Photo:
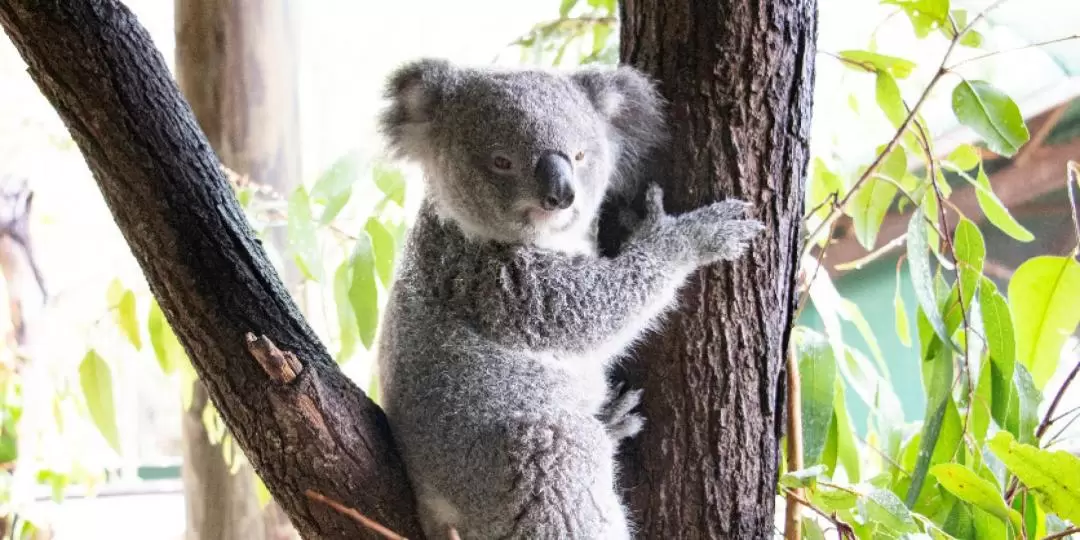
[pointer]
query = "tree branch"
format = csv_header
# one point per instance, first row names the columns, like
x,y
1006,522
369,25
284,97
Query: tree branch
x,y
162,182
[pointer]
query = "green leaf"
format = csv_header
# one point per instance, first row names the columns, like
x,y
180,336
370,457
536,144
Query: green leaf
x,y
991,114
382,243
1025,409
1053,477
363,293
847,451
885,508
337,179
817,374
993,208
262,494
334,206
925,15
128,319
980,408
301,235
824,184
802,478
833,500
970,250
903,327
391,182
96,380
167,349
965,156
921,277
115,292
968,486
997,327
872,201
934,448
1043,294
874,62
347,328
565,7
889,99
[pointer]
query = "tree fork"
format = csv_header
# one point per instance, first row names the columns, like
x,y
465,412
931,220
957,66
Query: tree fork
x,y
738,76
162,182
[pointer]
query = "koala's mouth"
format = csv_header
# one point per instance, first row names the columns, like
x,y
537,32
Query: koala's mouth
x,y
551,220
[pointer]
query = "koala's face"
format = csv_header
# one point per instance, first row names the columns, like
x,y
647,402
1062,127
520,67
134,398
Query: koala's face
x,y
521,156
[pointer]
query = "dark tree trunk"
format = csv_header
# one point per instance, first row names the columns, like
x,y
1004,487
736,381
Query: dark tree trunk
x,y
236,65
739,77
162,182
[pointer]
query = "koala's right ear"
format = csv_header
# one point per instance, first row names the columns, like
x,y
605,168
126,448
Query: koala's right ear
x,y
415,91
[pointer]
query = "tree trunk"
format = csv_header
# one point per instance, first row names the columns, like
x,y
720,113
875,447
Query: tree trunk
x,y
300,421
236,66
739,76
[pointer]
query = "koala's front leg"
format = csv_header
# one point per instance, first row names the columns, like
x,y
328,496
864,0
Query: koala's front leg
x,y
617,413
555,303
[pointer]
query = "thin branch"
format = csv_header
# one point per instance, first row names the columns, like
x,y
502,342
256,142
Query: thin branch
x,y
1073,172
845,531
1067,532
792,523
1047,421
900,130
873,255
353,514
1014,49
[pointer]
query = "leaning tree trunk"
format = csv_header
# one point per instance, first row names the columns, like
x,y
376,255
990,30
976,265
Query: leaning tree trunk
x,y
236,65
739,76
300,421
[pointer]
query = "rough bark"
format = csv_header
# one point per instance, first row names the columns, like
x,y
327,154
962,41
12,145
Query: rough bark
x,y
236,65
162,183
738,75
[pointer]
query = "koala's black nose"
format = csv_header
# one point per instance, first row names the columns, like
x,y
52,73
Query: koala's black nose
x,y
556,179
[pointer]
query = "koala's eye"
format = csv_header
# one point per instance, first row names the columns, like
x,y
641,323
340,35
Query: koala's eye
x,y
579,156
502,163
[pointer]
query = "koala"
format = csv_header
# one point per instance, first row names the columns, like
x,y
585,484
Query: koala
x,y
503,320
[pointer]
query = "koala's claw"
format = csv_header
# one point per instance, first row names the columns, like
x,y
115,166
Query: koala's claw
x,y
654,202
616,414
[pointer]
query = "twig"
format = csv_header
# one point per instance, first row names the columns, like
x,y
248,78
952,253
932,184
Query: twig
x,y
1072,169
356,516
844,530
1067,532
902,129
873,255
1014,49
792,523
1047,421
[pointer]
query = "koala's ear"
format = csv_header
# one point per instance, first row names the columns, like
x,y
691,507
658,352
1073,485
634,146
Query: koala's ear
x,y
633,106
415,91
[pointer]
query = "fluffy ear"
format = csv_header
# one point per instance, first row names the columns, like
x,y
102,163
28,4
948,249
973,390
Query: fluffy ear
x,y
631,103
415,91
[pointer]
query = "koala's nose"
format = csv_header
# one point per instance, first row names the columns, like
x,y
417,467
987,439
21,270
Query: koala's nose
x,y
556,178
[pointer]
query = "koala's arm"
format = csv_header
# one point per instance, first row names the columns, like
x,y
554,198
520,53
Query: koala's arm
x,y
558,303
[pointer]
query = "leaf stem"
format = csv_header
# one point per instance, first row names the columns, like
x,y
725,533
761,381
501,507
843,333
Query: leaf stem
x,y
1014,49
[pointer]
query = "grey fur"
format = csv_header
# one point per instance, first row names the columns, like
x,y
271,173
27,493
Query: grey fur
x,y
501,325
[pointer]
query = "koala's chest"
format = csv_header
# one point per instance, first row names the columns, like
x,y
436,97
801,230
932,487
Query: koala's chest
x,y
580,381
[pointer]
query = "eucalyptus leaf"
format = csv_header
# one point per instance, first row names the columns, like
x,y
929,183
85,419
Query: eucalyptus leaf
x,y
921,276
301,235
965,156
885,508
968,486
870,61
991,114
382,244
363,293
95,378
970,250
169,352
1053,477
1043,293
391,182
127,319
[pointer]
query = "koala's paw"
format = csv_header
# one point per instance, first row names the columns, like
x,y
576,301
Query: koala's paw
x,y
617,415
721,231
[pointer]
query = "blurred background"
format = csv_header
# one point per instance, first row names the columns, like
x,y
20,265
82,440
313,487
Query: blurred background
x,y
103,428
